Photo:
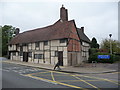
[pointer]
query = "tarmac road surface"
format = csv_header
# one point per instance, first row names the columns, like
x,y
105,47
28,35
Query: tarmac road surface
x,y
19,76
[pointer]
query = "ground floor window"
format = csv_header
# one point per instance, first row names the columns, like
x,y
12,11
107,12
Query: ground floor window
x,y
56,53
21,53
38,56
30,54
14,53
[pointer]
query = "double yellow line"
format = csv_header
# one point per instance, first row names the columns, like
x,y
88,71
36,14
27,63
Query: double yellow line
x,y
55,81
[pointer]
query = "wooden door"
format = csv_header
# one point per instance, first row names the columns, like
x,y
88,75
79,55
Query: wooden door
x,y
25,56
60,57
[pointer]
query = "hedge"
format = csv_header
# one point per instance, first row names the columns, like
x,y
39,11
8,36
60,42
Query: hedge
x,y
113,58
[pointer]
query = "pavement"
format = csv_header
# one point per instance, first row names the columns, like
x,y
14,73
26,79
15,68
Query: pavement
x,y
87,68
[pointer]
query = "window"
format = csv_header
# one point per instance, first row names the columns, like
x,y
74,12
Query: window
x,y
38,56
46,43
37,44
56,53
30,54
21,53
14,53
24,44
62,40
10,45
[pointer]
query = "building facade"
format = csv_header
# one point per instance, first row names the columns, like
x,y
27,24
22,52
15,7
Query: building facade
x,y
61,41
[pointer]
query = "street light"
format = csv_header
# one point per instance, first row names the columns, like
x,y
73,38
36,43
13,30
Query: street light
x,y
110,44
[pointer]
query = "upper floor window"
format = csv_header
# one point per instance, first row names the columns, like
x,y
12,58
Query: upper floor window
x,y
14,53
45,42
37,44
38,56
30,54
62,40
10,45
56,53
24,44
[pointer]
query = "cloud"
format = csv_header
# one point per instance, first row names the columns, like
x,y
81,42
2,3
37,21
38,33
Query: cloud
x,y
99,19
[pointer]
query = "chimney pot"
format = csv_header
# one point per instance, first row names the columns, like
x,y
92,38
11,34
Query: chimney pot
x,y
82,28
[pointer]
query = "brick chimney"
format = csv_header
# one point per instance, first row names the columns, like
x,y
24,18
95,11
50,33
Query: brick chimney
x,y
63,14
17,31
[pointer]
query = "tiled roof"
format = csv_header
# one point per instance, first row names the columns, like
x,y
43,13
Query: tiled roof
x,y
82,36
58,30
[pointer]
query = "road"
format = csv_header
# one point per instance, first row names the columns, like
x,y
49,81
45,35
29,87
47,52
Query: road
x,y
18,76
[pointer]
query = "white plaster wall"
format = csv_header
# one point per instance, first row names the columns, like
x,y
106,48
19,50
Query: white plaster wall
x,y
65,54
33,46
40,60
65,49
29,46
62,44
25,49
46,47
14,47
60,48
47,54
52,53
47,61
35,60
18,48
30,59
41,45
54,48
21,58
56,60
9,48
52,61
37,48
55,43
65,62
11,56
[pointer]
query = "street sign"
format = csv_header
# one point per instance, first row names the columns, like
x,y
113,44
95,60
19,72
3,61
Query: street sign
x,y
103,56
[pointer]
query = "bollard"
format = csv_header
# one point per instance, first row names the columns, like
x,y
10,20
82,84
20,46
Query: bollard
x,y
94,63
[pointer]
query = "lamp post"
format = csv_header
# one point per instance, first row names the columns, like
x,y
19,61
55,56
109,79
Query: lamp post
x,y
110,44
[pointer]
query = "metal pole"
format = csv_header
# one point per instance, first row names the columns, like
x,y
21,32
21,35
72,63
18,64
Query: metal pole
x,y
110,44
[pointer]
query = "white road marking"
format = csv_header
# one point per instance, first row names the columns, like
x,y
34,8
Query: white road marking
x,y
4,70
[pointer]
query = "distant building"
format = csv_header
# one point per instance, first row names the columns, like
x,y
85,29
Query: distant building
x,y
61,41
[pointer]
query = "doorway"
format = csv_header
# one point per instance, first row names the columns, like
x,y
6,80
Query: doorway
x,y
25,56
60,57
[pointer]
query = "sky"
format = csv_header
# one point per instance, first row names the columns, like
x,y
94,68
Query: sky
x,y
98,18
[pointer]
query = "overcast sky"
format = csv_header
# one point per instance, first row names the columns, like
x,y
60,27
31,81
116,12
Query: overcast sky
x,y
98,18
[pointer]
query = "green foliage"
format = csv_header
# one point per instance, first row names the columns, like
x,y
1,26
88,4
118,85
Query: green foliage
x,y
7,35
113,58
105,44
93,50
94,43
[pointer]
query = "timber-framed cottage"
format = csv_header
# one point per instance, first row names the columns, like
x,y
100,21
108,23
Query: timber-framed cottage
x,y
61,41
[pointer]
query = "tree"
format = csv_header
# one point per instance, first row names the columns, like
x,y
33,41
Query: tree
x,y
94,43
7,35
105,44
94,46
